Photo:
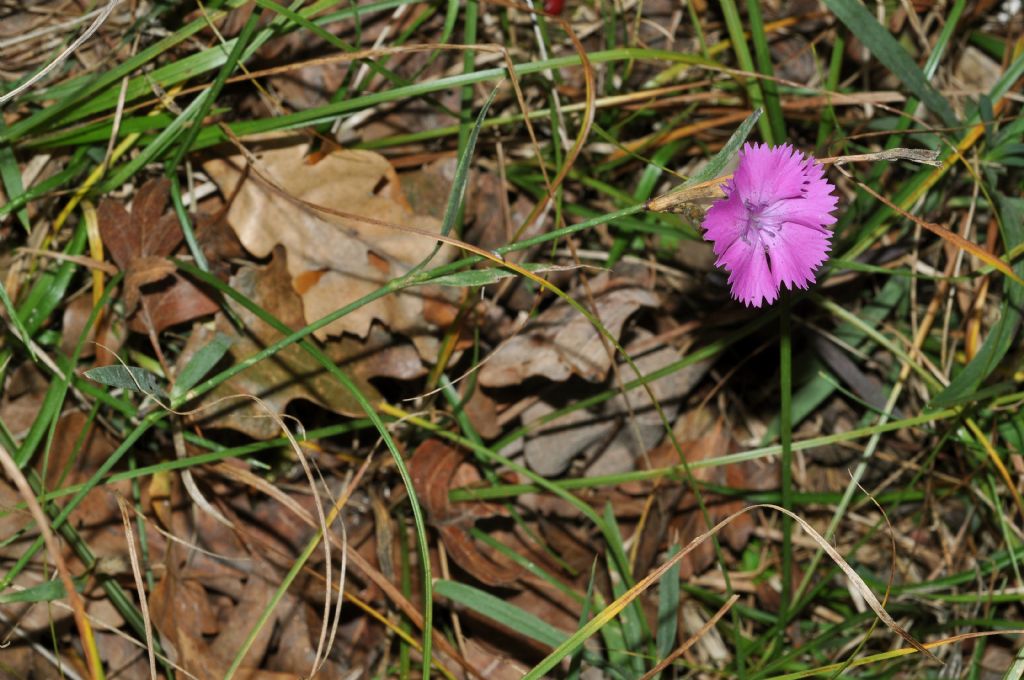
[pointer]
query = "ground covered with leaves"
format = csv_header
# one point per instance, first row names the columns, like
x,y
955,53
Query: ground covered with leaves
x,y
381,339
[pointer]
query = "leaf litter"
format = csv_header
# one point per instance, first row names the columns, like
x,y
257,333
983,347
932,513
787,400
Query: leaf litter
x,y
487,363
290,374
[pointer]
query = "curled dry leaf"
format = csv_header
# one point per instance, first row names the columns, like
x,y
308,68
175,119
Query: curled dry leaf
x,y
139,243
561,342
337,259
433,466
287,375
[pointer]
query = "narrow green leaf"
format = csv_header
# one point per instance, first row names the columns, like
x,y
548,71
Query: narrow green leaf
x,y
738,38
43,592
49,289
815,387
12,313
462,169
576,660
763,59
234,59
453,210
668,609
483,277
632,619
10,174
502,612
721,159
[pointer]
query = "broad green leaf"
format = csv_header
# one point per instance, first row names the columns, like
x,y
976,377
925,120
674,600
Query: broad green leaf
x,y
131,378
201,363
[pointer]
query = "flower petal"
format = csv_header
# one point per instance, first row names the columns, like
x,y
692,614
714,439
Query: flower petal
x,y
797,252
725,221
765,174
749,275
813,208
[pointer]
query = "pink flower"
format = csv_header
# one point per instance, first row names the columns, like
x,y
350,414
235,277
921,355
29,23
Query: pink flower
x,y
770,229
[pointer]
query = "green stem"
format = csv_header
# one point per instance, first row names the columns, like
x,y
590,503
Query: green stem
x,y
786,440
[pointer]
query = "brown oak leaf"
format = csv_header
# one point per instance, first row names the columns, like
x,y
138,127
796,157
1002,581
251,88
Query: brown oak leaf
x,y
155,295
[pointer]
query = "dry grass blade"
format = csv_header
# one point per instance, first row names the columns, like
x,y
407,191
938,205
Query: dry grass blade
x,y
81,260
67,673
664,663
589,109
189,481
677,200
896,653
855,579
662,138
993,455
379,201
68,51
133,555
77,606
350,553
100,624
923,156
956,239
616,607
364,567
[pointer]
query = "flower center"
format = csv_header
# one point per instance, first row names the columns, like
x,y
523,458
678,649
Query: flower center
x,y
762,227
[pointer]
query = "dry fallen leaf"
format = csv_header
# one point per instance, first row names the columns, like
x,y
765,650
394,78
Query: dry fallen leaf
x,y
561,342
185,614
432,467
607,435
287,375
621,453
334,260
155,295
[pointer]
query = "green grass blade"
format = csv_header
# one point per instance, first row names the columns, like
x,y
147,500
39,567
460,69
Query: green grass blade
x,y
500,611
763,58
739,44
887,50
668,609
